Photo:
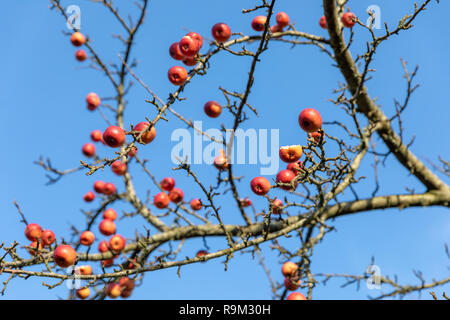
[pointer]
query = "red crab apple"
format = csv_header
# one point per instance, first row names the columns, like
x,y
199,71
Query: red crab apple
x,y
107,263
258,23
260,186
348,19
276,206
286,176
113,290
289,269
109,189
146,137
126,284
316,136
78,39
87,238
221,161
88,149
295,167
99,186
103,246
323,22
83,293
47,237
33,231
296,296
93,101
107,227
291,153
110,214
89,197
176,195
212,109
96,135
291,284
276,28
114,136
282,19
118,167
196,204
132,264
84,270
310,120
221,32
64,256
246,202
189,46
161,200
175,52
34,248
196,37
177,75
167,183
126,293
132,152
201,253
81,55
117,243
190,61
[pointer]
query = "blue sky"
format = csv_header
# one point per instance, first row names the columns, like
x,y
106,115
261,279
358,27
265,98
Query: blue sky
x,y
44,113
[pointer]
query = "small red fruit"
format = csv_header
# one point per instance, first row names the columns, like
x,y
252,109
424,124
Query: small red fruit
x,y
87,238
317,136
282,19
167,183
89,197
310,120
103,246
177,75
114,136
146,137
107,263
291,284
117,243
246,202
196,204
276,28
34,249
201,253
296,296
78,39
323,22
126,293
84,270
175,52
190,61
96,135
291,154
221,32
83,293
196,37
161,200
189,46
93,101
48,237
132,152
110,214
118,167
258,23
348,19
107,227
260,186
109,189
289,269
176,195
126,284
64,256
276,206
286,176
113,290
88,150
221,161
295,167
99,186
33,231
81,55
212,109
